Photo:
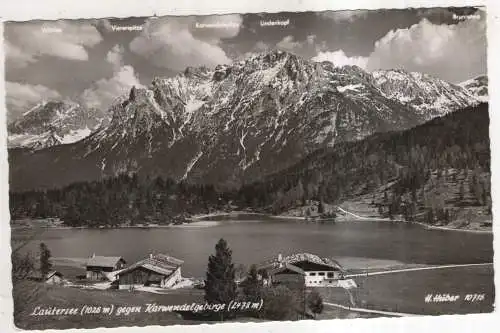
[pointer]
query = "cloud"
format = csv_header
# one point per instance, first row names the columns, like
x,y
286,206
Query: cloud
x,y
258,48
304,48
261,46
105,91
15,57
288,44
345,16
339,59
28,41
311,39
115,56
177,43
452,52
21,97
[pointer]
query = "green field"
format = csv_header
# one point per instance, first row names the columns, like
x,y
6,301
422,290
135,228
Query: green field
x,y
395,292
406,291
64,297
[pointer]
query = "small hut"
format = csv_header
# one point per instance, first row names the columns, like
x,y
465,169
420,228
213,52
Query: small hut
x,y
101,268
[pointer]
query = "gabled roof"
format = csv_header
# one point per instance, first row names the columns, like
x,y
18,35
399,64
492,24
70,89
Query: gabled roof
x,y
158,263
38,276
285,267
101,261
301,257
50,274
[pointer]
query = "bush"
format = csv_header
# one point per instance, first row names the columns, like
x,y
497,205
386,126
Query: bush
x,y
315,303
279,304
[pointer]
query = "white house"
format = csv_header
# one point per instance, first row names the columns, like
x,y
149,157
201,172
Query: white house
x,y
313,270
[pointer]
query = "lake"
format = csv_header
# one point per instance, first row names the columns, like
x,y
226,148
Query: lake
x,y
253,241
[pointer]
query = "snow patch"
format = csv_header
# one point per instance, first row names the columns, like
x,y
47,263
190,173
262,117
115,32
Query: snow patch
x,y
76,135
190,107
327,130
191,164
242,141
266,75
34,108
353,87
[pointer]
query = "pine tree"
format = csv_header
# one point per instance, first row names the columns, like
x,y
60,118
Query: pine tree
x,y
430,217
461,192
263,274
447,216
390,213
380,210
321,209
220,286
45,264
252,287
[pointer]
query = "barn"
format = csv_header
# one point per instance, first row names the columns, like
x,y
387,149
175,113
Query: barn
x,y
52,277
158,270
101,268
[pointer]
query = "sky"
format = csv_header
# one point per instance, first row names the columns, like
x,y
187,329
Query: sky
x,y
95,61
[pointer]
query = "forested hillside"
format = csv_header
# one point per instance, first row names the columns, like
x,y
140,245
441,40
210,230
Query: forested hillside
x,y
427,169
126,199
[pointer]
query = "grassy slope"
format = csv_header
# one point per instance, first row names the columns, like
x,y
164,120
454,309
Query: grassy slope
x,y
406,291
397,292
63,297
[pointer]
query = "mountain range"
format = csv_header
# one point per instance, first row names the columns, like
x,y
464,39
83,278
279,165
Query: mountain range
x,y
235,123
52,123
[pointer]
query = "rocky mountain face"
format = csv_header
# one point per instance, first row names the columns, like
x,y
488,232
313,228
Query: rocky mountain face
x,y
478,87
53,123
430,97
236,123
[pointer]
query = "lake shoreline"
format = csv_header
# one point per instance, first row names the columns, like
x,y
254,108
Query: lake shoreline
x,y
207,220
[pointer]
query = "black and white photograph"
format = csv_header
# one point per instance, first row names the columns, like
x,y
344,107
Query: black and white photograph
x,y
249,167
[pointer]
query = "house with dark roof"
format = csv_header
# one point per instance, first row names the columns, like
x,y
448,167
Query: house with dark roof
x,y
52,277
286,274
306,268
103,268
158,270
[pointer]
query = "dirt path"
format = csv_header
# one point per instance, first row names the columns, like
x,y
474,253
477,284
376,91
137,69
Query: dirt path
x,y
427,226
364,217
387,313
414,269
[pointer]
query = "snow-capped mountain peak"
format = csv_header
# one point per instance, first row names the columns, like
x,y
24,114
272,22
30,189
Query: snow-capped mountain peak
x,y
478,87
52,123
430,96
